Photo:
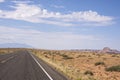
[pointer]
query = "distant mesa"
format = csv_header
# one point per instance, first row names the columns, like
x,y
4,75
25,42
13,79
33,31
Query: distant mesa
x,y
108,50
14,45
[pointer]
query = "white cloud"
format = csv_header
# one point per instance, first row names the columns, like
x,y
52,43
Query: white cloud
x,y
21,2
2,1
33,13
49,40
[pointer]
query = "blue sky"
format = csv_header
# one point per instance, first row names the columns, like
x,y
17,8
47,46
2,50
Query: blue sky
x,y
61,24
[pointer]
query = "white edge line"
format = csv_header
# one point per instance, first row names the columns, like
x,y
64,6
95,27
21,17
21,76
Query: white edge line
x,y
41,67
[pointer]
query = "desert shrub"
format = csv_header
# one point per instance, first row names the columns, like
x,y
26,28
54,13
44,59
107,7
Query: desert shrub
x,y
113,68
91,78
79,79
114,55
99,55
104,59
94,53
81,56
66,56
63,55
99,63
90,58
46,56
88,73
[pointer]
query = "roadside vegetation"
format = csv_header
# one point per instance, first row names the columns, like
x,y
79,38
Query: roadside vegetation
x,y
82,65
114,68
99,63
88,73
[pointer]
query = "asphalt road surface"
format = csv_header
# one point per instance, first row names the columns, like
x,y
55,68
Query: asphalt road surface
x,y
23,65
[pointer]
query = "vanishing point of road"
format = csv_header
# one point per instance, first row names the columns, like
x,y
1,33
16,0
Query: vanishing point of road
x,y
23,65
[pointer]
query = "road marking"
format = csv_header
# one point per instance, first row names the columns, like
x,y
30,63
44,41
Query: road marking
x,y
6,60
41,67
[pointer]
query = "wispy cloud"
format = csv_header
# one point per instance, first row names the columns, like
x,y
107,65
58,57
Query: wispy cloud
x,y
21,2
49,40
36,14
2,1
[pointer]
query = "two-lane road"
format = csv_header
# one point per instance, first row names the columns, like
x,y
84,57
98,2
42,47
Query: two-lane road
x,y
23,65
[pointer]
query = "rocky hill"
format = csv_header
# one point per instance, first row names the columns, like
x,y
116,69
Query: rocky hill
x,y
108,50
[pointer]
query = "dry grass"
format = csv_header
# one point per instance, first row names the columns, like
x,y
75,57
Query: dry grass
x,y
75,64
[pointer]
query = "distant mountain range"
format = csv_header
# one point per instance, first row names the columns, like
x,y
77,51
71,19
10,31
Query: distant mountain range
x,y
14,45
104,50
18,45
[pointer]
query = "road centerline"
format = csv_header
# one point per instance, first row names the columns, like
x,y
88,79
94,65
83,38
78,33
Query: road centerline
x,y
3,61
